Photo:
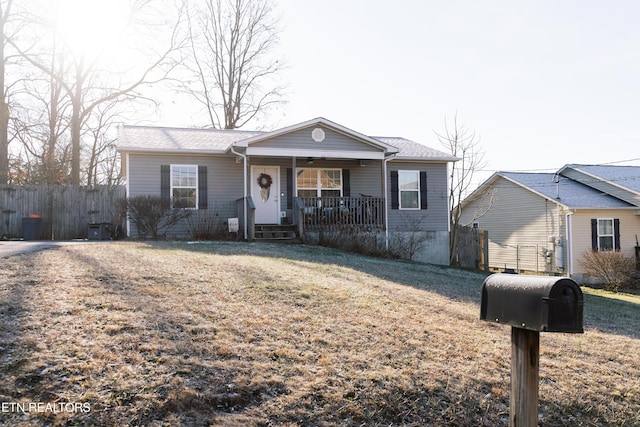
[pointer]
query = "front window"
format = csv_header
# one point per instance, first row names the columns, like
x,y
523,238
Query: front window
x,y
184,186
409,186
605,235
312,182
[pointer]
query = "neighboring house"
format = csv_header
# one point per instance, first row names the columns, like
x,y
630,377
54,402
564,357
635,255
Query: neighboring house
x,y
312,174
544,222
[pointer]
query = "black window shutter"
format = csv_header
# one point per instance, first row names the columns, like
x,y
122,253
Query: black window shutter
x,y
616,233
346,182
289,188
203,202
395,203
594,234
423,190
165,183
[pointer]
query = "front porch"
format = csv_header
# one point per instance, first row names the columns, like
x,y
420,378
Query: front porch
x,y
316,214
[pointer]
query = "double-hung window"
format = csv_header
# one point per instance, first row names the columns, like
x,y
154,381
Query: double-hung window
x,y
314,182
184,186
409,186
606,237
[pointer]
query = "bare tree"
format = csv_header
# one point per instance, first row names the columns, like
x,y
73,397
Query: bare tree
x,y
9,28
230,42
102,145
88,86
5,11
43,125
465,145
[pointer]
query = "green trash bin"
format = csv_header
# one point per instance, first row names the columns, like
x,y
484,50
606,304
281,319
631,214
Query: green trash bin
x,y
31,227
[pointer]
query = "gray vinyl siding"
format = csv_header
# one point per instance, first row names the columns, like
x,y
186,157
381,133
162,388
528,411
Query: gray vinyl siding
x,y
301,139
224,181
436,216
224,175
519,223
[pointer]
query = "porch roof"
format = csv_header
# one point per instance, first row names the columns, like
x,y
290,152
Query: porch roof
x,y
157,139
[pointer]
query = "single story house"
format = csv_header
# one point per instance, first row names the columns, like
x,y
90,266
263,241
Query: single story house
x,y
544,222
306,176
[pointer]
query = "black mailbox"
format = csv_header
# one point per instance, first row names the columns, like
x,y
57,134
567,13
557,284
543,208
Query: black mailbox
x,y
537,303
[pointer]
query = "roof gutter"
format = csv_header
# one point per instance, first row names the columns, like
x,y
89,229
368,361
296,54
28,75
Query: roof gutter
x,y
244,185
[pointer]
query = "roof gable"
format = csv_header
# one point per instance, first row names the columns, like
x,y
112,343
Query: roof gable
x,y
323,124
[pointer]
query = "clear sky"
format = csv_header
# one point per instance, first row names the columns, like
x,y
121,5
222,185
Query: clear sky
x,y
543,83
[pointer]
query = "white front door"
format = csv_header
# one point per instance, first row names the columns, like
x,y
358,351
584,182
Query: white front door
x,y
265,191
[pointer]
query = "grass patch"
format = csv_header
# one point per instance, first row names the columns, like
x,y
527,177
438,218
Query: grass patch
x,y
632,297
239,334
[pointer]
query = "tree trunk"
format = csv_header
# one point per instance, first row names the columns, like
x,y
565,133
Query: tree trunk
x,y
76,125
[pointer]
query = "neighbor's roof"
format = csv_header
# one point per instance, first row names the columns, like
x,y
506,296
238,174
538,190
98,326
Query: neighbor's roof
x,y
627,177
566,192
215,141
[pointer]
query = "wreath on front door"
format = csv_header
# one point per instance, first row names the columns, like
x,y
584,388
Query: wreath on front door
x,y
265,181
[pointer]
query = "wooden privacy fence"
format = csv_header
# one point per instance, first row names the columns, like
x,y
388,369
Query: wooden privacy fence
x,y
66,211
472,250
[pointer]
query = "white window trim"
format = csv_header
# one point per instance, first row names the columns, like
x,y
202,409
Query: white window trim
x,y
400,190
318,187
612,235
171,186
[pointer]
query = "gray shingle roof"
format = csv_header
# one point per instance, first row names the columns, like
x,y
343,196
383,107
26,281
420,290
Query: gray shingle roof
x,y
411,150
153,138
167,139
572,194
625,176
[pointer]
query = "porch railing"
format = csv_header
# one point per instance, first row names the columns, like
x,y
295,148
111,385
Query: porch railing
x,y
318,213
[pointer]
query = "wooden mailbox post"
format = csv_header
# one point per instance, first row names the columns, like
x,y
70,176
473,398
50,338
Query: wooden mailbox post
x,y
530,305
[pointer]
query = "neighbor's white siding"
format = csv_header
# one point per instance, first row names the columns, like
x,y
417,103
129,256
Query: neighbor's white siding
x,y
520,226
581,225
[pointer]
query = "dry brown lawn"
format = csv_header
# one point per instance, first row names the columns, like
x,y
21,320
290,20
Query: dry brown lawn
x,y
236,334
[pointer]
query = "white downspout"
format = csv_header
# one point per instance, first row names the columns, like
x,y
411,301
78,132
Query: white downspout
x,y
386,201
569,244
244,185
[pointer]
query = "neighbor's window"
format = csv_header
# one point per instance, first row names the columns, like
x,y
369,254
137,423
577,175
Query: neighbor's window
x,y
606,239
184,186
313,182
409,186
